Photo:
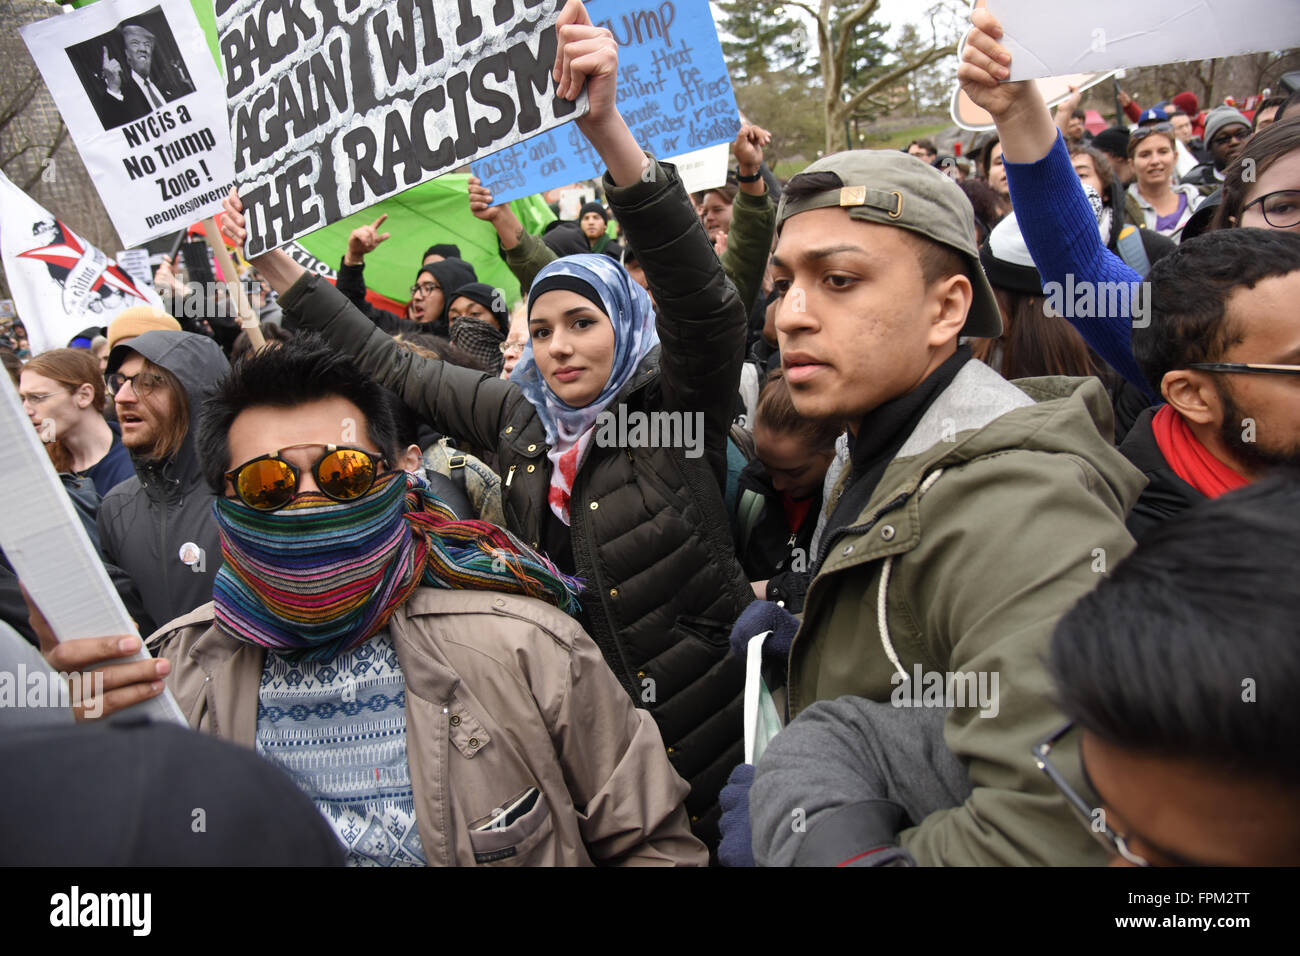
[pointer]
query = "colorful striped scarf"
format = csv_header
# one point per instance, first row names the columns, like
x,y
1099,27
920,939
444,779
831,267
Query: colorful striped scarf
x,y
320,577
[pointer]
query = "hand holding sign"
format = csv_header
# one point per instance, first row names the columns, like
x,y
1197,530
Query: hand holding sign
x,y
587,55
364,240
1024,123
480,201
276,266
112,71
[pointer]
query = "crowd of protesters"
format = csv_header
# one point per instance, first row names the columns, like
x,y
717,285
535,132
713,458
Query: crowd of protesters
x,y
917,510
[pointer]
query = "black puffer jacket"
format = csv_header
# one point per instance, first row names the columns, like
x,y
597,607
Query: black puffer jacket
x,y
650,534
145,520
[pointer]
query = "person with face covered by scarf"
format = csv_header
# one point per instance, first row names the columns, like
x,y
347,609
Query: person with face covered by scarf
x,y
610,434
359,633
480,323
427,309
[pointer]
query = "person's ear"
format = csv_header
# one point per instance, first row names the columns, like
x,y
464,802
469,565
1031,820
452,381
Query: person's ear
x,y
84,391
951,299
1193,396
411,458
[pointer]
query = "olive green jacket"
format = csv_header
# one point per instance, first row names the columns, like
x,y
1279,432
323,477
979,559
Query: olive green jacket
x,y
1003,508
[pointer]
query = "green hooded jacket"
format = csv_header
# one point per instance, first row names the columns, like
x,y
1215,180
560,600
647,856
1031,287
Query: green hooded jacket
x,y
1004,507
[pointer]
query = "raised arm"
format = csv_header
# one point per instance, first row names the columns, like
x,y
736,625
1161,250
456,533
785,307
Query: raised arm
x,y
701,322
1052,211
525,254
753,218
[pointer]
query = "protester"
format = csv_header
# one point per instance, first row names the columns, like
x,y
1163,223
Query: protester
x,y
1071,119
1262,189
641,522
564,770
1170,670
780,494
439,273
989,207
137,320
1217,349
923,149
593,220
951,464
1113,144
158,525
1226,132
512,349
1266,112
479,323
1118,209
63,394
1165,207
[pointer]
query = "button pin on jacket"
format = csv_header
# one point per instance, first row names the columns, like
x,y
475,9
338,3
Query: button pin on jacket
x,y
193,557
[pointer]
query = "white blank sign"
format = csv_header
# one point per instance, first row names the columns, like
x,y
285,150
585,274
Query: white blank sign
x,y
1052,38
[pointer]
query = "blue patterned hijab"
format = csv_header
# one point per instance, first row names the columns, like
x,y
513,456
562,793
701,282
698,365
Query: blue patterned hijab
x,y
569,429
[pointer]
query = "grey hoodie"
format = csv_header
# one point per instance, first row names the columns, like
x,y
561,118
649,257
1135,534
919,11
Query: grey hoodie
x,y
144,521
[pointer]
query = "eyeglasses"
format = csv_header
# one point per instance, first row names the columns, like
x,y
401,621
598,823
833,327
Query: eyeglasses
x,y
142,383
34,400
508,347
1093,818
424,288
1142,132
268,483
1259,368
1239,135
1281,209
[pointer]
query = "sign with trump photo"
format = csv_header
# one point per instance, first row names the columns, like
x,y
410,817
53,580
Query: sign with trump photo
x,y
139,90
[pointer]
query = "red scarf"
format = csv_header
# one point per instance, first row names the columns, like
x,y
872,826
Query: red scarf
x,y
1189,459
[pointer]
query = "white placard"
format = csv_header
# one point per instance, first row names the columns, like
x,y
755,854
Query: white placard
x,y
1051,38
702,169
140,92
51,554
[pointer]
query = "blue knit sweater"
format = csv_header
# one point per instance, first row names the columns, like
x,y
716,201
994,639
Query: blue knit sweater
x,y
1061,233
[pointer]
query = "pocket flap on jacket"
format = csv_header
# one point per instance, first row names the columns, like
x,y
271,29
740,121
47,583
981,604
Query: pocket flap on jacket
x,y
467,734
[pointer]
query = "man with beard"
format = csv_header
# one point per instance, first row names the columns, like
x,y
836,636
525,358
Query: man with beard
x,y
1223,348
419,677
158,525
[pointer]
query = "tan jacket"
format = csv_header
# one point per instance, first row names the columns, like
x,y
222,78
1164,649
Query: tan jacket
x,y
503,694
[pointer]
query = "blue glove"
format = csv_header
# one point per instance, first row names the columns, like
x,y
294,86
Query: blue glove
x,y
736,848
760,616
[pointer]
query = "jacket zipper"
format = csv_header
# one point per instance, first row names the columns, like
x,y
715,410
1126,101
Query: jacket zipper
x,y
604,635
510,475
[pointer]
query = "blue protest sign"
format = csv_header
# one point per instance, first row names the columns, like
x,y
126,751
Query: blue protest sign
x,y
673,91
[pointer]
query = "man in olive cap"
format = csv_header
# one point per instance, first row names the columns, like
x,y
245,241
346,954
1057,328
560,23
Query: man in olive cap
x,y
972,515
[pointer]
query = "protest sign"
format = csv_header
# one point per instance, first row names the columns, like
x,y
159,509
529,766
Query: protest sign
x,y
47,546
335,104
61,282
1113,34
433,212
143,102
673,91
966,114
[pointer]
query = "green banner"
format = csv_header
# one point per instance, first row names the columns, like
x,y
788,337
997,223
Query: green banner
x,y
425,215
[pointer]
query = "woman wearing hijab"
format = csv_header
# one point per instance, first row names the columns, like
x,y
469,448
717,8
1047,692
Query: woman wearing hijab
x,y
643,525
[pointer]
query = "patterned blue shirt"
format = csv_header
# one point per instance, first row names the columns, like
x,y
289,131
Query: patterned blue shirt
x,y
338,728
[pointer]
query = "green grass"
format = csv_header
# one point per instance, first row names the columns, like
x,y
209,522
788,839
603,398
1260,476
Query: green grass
x,y
898,140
